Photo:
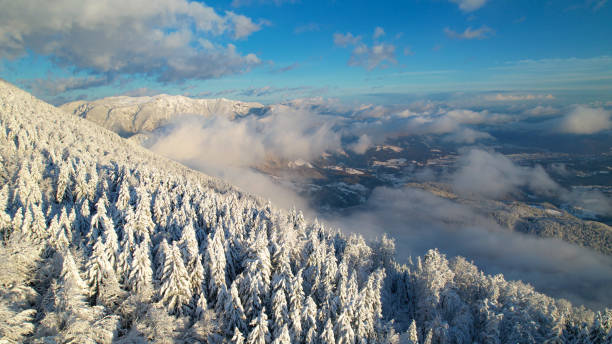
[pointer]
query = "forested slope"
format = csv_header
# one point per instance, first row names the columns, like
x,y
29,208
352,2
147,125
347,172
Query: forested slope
x,y
103,241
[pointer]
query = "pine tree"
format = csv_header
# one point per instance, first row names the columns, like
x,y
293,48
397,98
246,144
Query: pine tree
x,y
193,260
124,197
175,291
124,259
233,310
161,208
344,332
5,219
98,267
327,336
58,239
283,337
111,241
429,337
38,227
162,252
140,278
296,296
237,338
143,225
201,307
63,182
280,315
81,188
413,337
259,329
196,274
215,257
309,315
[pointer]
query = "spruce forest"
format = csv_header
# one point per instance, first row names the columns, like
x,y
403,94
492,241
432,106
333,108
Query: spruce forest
x,y
104,241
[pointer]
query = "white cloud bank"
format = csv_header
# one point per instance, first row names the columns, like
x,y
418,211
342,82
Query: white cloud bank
x,y
419,220
284,133
169,40
230,149
586,120
494,176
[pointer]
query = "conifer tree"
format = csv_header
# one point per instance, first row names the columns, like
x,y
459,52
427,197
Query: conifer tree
x,y
283,337
259,329
233,310
327,336
280,315
429,337
98,267
344,332
124,197
58,238
237,338
111,241
215,257
140,278
5,219
201,307
81,188
143,225
124,259
413,337
175,291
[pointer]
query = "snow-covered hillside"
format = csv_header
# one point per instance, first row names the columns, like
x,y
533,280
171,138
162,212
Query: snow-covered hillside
x,y
132,115
103,241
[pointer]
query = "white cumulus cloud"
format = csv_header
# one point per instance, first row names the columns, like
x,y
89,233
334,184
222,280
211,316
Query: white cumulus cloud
x,y
469,5
162,39
367,56
346,39
586,120
378,32
492,175
469,33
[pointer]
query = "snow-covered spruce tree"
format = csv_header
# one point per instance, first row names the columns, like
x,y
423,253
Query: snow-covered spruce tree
x,y
234,316
17,297
98,268
260,333
140,277
175,291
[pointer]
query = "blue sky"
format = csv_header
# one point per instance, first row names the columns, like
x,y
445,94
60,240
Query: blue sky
x,y
275,50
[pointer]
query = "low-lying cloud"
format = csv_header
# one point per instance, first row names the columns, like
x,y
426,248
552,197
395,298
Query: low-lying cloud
x,y
586,120
419,220
481,174
230,149
284,133
494,176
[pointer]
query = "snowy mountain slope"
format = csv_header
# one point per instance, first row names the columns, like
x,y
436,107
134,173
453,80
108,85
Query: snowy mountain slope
x,y
103,242
131,115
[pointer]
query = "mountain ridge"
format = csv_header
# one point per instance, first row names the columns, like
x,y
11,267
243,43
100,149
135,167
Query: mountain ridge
x,y
132,115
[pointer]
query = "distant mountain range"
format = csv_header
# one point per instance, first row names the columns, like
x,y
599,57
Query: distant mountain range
x,y
132,115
